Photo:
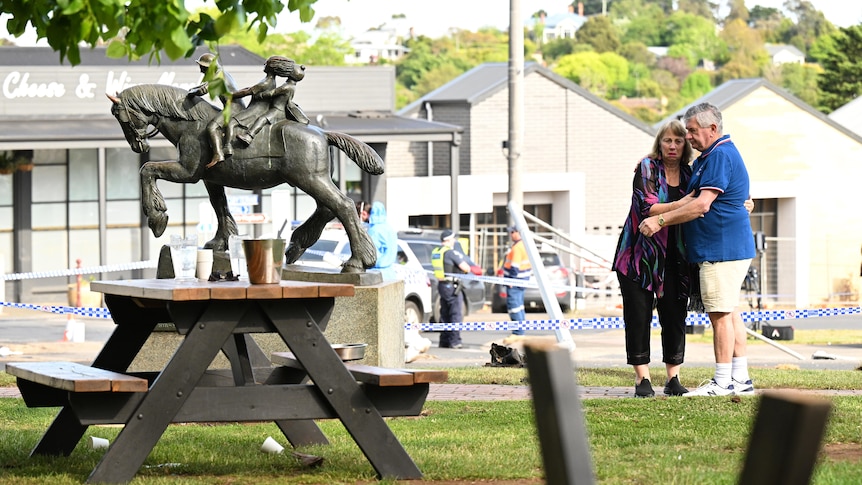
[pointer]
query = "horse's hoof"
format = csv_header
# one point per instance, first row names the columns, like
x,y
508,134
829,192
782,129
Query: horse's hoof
x,y
158,223
293,253
351,269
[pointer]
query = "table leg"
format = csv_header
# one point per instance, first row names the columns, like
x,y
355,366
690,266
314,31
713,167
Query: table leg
x,y
168,392
361,419
124,343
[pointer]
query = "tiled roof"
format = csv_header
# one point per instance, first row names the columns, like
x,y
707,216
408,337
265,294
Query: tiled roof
x,y
45,56
487,79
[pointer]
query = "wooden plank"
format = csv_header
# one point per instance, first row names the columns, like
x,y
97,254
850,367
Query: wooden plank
x,y
172,290
332,289
229,290
264,292
296,289
379,376
786,438
423,376
559,421
70,376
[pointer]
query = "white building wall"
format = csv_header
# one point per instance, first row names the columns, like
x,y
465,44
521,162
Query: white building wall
x,y
480,193
819,168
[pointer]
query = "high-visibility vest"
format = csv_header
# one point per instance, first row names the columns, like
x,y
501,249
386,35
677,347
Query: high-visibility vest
x,y
437,257
517,263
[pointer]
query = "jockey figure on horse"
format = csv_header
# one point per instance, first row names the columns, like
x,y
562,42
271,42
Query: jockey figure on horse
x,y
268,105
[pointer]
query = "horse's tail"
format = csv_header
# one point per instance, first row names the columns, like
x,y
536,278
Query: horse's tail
x,y
363,155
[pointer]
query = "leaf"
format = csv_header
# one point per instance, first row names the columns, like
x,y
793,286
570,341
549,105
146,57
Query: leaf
x,y
116,49
179,44
69,8
226,23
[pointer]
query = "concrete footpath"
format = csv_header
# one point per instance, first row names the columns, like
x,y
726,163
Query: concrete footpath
x,y
27,335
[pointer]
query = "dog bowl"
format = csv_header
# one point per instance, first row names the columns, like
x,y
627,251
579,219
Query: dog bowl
x,y
350,351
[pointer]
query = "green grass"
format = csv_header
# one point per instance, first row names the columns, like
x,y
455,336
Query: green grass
x,y
623,376
636,441
632,441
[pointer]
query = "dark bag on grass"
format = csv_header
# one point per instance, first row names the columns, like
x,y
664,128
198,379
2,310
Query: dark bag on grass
x,y
502,356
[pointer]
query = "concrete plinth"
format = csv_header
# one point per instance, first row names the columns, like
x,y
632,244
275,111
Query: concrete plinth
x,y
375,315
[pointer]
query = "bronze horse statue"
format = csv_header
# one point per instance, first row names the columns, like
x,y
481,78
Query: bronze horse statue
x,y
285,152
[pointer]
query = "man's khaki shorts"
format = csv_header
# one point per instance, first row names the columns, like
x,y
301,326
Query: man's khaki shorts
x,y
720,283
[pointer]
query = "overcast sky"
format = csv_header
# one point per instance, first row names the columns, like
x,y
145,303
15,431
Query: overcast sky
x,y
435,17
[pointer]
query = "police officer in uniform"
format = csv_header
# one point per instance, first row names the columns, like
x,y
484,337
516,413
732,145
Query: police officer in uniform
x,y
445,259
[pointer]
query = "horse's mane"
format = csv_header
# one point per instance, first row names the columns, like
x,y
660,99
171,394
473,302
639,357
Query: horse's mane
x,y
168,101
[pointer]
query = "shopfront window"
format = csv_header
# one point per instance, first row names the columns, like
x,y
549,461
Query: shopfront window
x,y
49,211
6,233
84,207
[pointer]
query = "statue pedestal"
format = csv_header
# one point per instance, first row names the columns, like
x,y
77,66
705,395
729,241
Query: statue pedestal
x,y
375,316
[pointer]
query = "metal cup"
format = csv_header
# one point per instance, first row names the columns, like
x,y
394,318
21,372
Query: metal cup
x,y
264,258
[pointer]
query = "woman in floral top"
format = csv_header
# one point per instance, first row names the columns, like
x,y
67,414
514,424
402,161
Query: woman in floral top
x,y
653,271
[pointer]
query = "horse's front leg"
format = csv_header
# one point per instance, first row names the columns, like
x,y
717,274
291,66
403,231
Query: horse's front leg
x,y
226,222
152,201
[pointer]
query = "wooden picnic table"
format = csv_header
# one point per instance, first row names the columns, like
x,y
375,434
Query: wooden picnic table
x,y
220,317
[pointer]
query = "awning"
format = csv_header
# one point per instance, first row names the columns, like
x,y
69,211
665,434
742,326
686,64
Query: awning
x,y
370,127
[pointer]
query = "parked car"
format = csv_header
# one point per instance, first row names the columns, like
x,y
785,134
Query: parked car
x,y
423,242
558,276
333,248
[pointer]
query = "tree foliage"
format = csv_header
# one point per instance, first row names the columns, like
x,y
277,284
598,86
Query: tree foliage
x,y
598,32
141,28
841,80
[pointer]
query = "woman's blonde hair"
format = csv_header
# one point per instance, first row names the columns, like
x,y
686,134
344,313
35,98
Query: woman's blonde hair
x,y
674,127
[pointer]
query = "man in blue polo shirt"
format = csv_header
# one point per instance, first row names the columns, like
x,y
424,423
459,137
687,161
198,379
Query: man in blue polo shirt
x,y
718,238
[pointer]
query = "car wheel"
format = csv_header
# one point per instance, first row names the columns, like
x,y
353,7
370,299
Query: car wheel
x,y
411,312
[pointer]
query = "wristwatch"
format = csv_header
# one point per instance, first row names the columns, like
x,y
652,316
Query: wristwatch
x,y
661,220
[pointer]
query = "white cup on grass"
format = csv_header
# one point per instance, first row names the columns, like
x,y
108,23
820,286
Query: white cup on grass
x,y
97,443
271,446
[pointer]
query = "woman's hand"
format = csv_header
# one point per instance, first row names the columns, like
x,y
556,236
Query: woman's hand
x,y
649,226
749,205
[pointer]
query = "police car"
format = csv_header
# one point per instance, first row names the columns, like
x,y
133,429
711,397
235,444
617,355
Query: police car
x,y
333,248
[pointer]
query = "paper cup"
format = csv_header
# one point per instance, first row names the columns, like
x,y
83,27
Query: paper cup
x,y
98,443
271,446
204,264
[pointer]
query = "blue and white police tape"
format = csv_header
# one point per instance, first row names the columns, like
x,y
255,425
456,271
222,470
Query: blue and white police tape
x,y
61,310
604,323
77,271
596,323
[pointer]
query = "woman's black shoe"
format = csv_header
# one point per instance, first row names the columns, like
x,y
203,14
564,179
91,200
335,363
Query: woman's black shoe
x,y
644,389
674,388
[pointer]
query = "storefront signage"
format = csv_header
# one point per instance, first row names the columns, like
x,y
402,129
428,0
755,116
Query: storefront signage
x,y
42,90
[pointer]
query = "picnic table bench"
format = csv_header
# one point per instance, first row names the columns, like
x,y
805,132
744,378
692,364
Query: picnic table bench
x,y
309,382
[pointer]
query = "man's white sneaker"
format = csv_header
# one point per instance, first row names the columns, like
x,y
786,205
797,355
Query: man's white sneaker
x,y
711,388
743,388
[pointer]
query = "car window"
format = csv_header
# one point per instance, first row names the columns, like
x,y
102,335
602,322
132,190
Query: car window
x,y
422,251
315,252
550,259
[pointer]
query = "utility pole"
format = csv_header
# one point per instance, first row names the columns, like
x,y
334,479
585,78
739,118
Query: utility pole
x,y
516,103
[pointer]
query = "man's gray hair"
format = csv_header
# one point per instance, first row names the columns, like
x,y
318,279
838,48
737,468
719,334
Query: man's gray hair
x,y
705,114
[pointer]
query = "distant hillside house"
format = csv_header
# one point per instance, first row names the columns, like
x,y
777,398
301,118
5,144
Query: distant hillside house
x,y
561,25
375,45
784,54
